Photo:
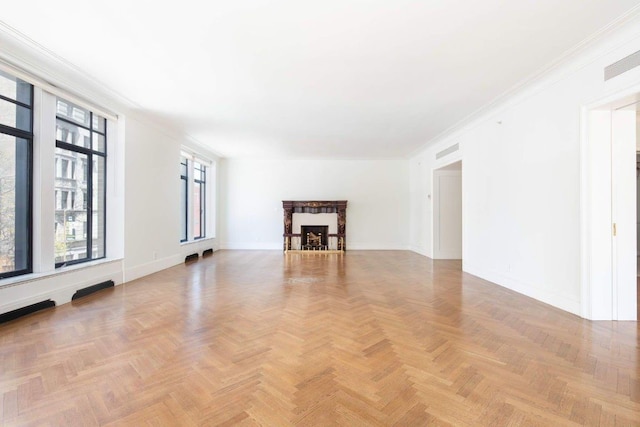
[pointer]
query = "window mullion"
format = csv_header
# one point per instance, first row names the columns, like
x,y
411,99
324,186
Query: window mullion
x,y
190,195
89,206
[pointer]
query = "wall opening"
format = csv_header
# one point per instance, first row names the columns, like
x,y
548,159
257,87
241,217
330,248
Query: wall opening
x,y
609,251
447,211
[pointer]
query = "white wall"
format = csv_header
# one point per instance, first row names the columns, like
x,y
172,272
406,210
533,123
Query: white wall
x,y
152,206
521,180
638,214
377,192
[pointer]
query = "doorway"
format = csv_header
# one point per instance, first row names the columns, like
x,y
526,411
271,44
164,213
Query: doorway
x,y
609,252
447,211
638,214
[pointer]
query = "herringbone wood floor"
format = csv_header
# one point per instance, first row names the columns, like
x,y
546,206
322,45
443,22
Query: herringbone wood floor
x,y
368,338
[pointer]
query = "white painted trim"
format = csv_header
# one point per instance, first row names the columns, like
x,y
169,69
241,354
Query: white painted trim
x,y
35,277
154,266
375,247
68,96
420,250
587,298
252,246
208,240
46,287
585,218
32,62
201,156
59,296
39,74
448,160
582,54
436,172
557,300
279,246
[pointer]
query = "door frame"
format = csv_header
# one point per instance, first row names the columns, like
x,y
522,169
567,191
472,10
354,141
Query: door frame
x,y
602,296
436,173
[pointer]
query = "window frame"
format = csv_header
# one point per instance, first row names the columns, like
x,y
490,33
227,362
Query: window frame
x,y
27,214
89,152
185,209
202,215
200,178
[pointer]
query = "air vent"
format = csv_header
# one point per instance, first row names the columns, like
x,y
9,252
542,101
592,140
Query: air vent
x,y
91,289
11,315
447,151
207,252
191,258
622,66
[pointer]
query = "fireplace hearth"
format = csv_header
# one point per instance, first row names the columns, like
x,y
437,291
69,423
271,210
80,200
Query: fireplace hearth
x,y
314,237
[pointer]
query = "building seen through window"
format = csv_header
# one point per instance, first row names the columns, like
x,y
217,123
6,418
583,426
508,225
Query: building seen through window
x,y
16,141
193,197
80,161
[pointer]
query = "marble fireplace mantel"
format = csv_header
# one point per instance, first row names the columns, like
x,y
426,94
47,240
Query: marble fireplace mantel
x,y
315,207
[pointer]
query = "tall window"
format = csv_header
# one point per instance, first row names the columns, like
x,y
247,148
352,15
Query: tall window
x,y
199,200
16,142
195,178
81,139
184,199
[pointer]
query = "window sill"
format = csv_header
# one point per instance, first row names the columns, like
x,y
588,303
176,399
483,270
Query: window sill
x,y
192,242
32,277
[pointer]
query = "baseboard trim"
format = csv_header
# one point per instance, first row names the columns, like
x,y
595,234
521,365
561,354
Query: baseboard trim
x,y
279,246
142,270
60,295
559,301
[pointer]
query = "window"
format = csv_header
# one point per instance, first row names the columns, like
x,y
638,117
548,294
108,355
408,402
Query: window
x,y
195,179
16,144
64,195
184,206
80,225
85,171
199,200
65,169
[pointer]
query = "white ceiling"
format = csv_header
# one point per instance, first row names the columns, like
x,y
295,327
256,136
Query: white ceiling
x,y
331,78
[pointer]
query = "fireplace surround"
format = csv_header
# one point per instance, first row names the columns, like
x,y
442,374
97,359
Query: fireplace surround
x,y
333,242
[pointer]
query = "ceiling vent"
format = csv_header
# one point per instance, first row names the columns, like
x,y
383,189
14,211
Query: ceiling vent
x,y
622,66
447,151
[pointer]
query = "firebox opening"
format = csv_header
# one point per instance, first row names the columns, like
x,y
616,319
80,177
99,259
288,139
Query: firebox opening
x,y
314,237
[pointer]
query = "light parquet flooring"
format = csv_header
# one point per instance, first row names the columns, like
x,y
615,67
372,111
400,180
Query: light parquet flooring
x,y
367,338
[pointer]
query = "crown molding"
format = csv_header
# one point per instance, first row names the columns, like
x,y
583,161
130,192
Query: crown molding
x,y
537,77
29,56
48,68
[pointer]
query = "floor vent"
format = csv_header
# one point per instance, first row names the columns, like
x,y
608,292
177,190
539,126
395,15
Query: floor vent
x,y
11,315
622,66
191,258
446,151
91,289
207,252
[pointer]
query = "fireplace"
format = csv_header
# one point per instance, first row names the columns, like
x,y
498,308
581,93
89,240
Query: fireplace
x,y
315,236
